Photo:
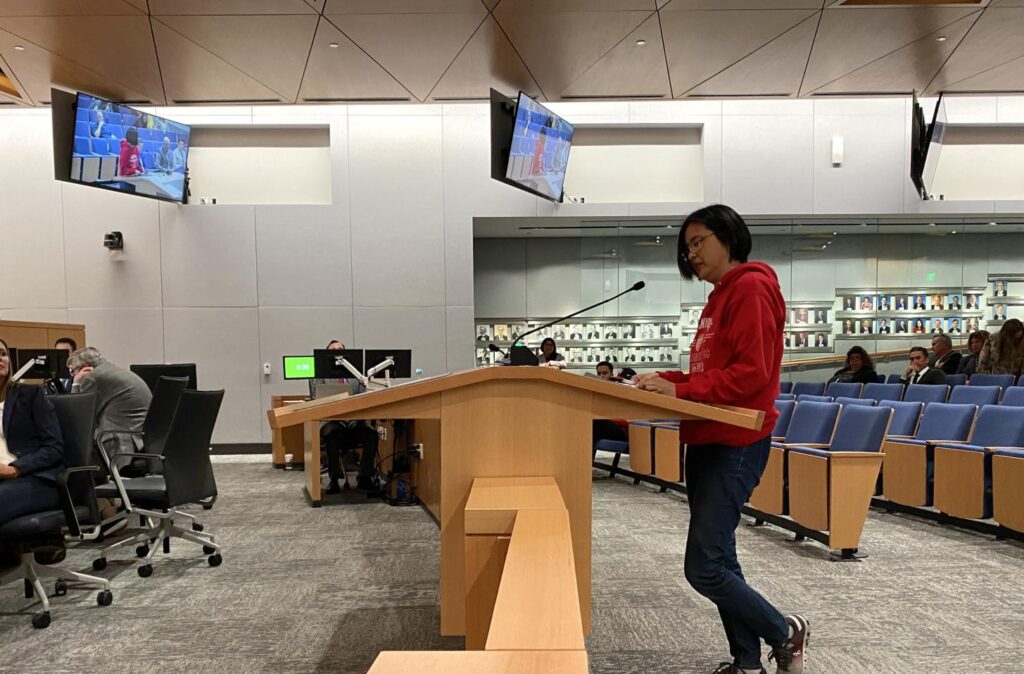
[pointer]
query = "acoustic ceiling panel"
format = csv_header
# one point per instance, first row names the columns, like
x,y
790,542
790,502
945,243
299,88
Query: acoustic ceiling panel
x,y
773,70
219,7
199,75
579,5
629,69
1006,77
415,48
71,7
997,38
86,40
851,38
743,4
270,49
907,69
345,72
334,7
318,5
35,70
488,60
696,51
558,47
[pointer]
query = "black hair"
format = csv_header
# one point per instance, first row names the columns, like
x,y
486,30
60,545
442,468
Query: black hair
x,y
66,340
334,341
865,359
605,363
132,136
727,226
919,348
554,348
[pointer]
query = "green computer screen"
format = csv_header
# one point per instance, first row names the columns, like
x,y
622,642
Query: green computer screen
x,y
298,367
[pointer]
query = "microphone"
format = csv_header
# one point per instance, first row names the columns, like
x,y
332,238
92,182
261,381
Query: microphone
x,y
495,349
519,354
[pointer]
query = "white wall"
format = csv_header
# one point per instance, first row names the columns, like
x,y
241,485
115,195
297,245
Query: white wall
x,y
390,261
261,175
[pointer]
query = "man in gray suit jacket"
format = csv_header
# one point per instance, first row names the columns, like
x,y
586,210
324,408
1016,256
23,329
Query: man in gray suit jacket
x,y
122,398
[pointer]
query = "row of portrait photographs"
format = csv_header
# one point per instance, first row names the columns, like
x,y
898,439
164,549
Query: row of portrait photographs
x,y
909,326
918,302
805,340
625,355
809,316
503,332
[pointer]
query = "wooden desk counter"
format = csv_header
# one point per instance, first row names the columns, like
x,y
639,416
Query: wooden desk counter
x,y
480,662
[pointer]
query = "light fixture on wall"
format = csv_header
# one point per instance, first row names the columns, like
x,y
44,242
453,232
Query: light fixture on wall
x,y
837,151
19,47
333,45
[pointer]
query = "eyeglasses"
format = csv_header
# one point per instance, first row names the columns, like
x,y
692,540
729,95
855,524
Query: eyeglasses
x,y
695,246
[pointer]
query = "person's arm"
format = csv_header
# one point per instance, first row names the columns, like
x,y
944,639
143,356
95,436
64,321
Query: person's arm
x,y
755,349
50,452
952,364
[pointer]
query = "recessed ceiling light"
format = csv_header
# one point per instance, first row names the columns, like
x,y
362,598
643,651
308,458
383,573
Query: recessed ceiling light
x,y
835,233
941,38
333,45
931,224
953,232
18,47
641,43
992,224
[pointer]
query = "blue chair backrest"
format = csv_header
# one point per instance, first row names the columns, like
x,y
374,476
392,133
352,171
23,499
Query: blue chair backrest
x,y
926,393
82,146
892,379
785,408
1014,397
98,145
813,399
81,128
112,130
955,380
863,402
999,426
882,391
839,389
812,423
785,387
1003,380
975,395
808,388
861,429
879,378
113,117
943,421
785,396
904,416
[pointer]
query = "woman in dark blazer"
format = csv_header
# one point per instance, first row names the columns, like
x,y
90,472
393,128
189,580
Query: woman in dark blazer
x,y
859,368
31,448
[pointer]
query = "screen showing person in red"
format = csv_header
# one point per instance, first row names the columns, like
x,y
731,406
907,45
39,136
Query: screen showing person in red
x,y
131,156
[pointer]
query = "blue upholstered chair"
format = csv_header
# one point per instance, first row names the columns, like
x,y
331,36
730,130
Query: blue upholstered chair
x,y
618,447
1007,478
808,388
863,402
785,396
1004,380
785,387
892,379
881,392
807,398
975,395
926,393
955,380
963,470
905,416
1014,397
785,408
839,389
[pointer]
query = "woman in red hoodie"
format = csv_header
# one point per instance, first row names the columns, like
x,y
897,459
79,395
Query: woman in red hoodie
x,y
735,359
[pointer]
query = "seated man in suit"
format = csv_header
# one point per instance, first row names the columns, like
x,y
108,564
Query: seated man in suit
x,y
943,356
61,384
340,436
122,401
919,372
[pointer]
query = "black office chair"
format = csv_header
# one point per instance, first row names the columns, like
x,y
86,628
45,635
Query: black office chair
x,y
187,479
78,514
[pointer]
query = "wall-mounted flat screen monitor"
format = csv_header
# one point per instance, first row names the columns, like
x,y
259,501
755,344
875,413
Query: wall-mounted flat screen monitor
x,y
539,150
299,367
936,136
120,148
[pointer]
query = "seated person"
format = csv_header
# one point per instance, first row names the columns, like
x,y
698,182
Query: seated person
x,y
858,368
165,156
130,161
969,363
179,156
919,371
549,353
337,437
58,384
943,355
122,402
31,447
608,429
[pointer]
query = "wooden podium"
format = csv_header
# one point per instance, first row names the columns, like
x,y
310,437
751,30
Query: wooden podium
x,y
502,422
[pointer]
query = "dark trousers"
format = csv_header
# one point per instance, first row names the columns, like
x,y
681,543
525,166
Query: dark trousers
x,y
339,438
719,480
606,429
26,495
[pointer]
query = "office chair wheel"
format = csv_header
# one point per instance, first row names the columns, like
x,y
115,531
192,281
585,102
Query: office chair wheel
x,y
207,550
60,588
105,598
196,526
215,560
142,551
99,564
146,570
41,620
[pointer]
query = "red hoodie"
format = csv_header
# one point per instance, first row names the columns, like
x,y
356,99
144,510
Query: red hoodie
x,y
736,355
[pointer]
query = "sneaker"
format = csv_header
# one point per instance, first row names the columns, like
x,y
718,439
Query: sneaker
x,y
730,668
789,656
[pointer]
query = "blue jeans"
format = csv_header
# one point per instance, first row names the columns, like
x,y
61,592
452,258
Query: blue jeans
x,y
719,480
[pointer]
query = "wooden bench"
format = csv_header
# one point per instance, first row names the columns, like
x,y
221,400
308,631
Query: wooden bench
x,y
668,453
480,662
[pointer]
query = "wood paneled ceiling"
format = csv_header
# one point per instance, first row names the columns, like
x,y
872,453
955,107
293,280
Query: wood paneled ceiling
x,y
295,51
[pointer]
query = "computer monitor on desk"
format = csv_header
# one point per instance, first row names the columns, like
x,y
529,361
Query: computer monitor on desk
x,y
402,369
299,367
327,363
55,364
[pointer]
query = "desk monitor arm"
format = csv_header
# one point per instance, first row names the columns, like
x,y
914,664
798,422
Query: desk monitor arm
x,y
383,365
28,366
364,380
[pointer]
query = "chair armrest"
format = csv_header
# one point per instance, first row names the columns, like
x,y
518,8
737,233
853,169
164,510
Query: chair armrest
x,y
812,445
899,437
66,502
841,456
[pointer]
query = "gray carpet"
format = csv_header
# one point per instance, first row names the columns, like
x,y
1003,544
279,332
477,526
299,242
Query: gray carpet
x,y
324,590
